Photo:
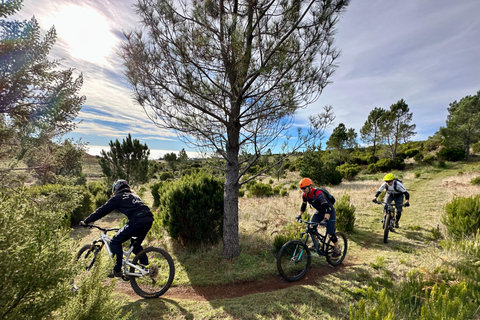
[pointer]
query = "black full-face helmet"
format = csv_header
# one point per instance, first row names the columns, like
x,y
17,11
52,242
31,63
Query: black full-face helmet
x,y
119,184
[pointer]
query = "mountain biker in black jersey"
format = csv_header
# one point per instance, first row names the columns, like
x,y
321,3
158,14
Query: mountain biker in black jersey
x,y
395,191
324,212
140,220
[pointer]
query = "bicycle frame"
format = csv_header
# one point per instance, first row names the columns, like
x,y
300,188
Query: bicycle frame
x,y
317,238
126,262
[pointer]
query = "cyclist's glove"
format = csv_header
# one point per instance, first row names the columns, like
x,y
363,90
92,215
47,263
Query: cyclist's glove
x,y
298,218
407,204
374,200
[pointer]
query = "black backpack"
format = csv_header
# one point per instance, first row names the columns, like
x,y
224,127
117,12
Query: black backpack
x,y
330,198
395,184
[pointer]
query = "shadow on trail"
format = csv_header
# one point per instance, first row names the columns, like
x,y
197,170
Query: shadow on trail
x,y
156,309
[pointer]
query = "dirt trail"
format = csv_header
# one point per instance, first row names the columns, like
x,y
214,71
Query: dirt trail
x,y
236,289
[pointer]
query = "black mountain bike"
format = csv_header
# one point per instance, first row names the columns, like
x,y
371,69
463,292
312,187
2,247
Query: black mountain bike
x,y
294,257
150,272
388,219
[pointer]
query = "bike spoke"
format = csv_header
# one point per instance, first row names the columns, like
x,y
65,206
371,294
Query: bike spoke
x,y
160,268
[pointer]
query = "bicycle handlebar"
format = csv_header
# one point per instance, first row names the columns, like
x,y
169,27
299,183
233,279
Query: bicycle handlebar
x,y
314,224
388,204
100,228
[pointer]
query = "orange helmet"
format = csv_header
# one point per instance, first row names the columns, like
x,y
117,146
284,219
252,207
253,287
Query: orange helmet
x,y
305,182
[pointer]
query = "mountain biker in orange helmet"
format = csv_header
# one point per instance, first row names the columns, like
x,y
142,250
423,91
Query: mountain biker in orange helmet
x,y
324,212
140,220
395,191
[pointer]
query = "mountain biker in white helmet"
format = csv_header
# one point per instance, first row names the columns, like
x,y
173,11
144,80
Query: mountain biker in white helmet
x,y
140,220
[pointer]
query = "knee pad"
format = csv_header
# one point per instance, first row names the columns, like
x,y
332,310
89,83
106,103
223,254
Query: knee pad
x,y
333,238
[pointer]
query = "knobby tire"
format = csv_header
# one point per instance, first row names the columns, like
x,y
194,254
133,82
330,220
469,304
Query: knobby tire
x,y
386,227
159,281
342,243
293,260
88,256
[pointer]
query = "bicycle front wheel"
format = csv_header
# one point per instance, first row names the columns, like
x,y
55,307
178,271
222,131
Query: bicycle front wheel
x,y
386,227
161,272
87,255
335,256
293,260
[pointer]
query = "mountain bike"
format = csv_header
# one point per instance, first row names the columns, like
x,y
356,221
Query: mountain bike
x,y
150,272
294,257
388,219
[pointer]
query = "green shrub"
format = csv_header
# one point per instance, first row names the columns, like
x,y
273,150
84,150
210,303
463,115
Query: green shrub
x,y
441,164
284,192
64,193
260,189
429,159
418,157
349,171
280,239
372,168
476,147
154,188
410,153
475,181
321,171
241,193
191,209
462,216
451,154
276,190
385,164
166,175
345,214
417,175
39,261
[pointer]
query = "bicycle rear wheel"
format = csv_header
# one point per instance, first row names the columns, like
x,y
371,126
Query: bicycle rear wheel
x,y
161,272
293,260
386,227
342,246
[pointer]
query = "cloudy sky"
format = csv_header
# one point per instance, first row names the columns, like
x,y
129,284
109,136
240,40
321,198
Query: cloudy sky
x,y
425,52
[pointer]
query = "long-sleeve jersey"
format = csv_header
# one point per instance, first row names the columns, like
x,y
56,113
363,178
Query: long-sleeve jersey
x,y
396,188
318,200
124,201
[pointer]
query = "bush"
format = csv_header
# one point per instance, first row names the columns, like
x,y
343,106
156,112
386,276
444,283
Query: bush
x,y
418,157
417,174
349,171
166,175
276,190
451,154
322,172
38,263
62,193
385,164
191,209
372,168
260,189
475,181
429,159
284,192
462,216
410,153
345,214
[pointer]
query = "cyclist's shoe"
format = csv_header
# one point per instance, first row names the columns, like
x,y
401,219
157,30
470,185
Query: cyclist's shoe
x,y
115,274
396,225
336,255
152,271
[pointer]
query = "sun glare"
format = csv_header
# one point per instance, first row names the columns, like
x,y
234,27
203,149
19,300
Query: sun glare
x,y
86,32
